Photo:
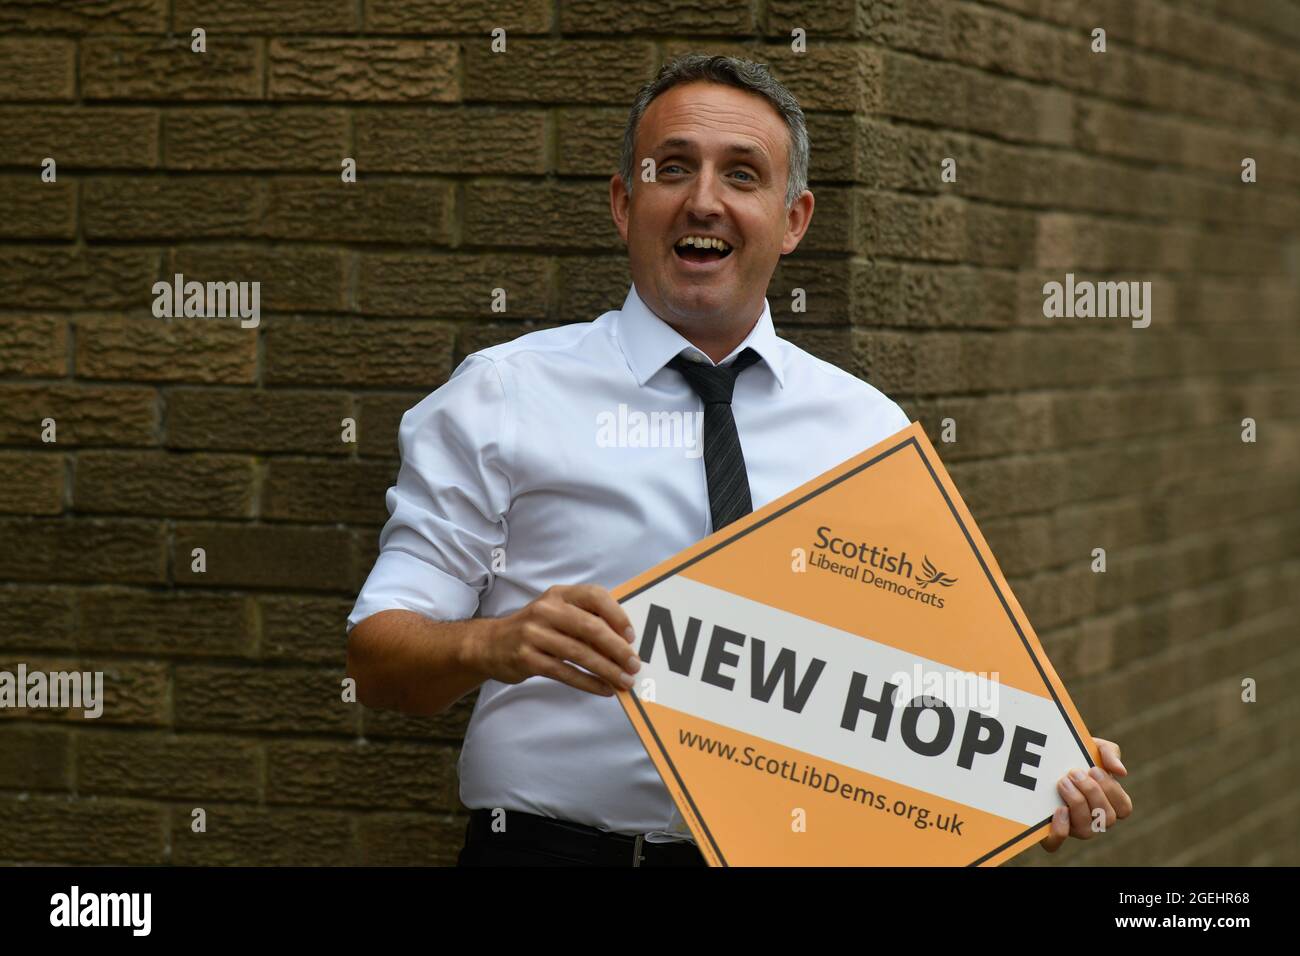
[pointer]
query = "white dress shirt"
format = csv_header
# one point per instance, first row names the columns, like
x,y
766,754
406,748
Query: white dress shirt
x,y
517,474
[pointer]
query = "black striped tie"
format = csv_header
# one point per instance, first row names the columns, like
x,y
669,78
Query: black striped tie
x,y
724,461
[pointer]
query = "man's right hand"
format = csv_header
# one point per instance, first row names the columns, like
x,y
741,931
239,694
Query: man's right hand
x,y
578,624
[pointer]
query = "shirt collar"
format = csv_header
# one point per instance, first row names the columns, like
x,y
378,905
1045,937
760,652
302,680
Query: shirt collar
x,y
649,343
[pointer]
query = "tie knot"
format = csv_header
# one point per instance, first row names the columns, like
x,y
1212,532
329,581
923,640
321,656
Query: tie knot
x,y
714,383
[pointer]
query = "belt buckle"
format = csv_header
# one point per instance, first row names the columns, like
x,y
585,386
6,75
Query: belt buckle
x,y
636,849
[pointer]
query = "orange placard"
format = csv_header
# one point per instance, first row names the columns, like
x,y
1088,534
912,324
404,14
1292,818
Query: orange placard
x,y
843,677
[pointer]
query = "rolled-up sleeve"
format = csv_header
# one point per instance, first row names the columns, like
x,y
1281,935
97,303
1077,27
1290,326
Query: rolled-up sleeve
x,y
447,511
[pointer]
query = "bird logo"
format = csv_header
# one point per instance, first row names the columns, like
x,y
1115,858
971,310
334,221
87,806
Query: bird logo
x,y
933,576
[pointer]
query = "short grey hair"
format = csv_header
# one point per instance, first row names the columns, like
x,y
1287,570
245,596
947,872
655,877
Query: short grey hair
x,y
742,74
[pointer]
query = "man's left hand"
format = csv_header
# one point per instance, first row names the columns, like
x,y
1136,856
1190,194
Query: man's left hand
x,y
1086,792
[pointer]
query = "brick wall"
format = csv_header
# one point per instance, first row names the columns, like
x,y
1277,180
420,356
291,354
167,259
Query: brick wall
x,y
477,170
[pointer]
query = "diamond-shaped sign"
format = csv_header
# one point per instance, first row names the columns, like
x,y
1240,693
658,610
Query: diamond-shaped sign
x,y
843,677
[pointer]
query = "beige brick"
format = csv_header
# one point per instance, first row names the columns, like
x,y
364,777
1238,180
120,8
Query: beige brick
x,y
103,137
175,624
827,76
40,277
165,68
284,16
292,277
415,16
104,16
37,68
295,701
308,629
81,831
444,140
171,767
453,286
365,211
543,71
83,550
379,416
592,285
36,209
36,758
273,836
370,70
357,352
248,420
164,484
391,776
408,839
34,346
166,208
589,140
193,349
31,483
826,287
326,491
686,17
837,227
573,216
37,616
83,415
311,559
839,18
256,138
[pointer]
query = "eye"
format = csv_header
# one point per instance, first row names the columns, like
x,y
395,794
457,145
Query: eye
x,y
742,172
664,169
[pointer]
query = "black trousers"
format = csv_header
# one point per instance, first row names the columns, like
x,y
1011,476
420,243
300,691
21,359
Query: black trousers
x,y
530,840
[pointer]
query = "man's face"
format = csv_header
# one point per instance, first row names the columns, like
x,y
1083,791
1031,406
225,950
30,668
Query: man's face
x,y
721,162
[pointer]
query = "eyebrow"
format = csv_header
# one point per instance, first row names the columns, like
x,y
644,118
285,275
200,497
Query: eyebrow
x,y
741,149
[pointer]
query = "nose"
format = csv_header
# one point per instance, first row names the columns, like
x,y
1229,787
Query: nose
x,y
704,199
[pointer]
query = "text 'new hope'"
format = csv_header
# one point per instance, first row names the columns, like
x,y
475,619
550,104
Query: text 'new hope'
x,y
982,735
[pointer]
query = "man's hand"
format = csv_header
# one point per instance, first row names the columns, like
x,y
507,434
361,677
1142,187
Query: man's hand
x,y
1085,792
578,624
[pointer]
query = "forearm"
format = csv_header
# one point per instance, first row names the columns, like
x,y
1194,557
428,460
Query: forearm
x,y
404,661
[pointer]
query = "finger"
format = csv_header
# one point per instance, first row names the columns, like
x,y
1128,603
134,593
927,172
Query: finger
x,y
1078,804
573,621
546,666
598,601
1110,756
1091,789
1115,792
563,647
1058,831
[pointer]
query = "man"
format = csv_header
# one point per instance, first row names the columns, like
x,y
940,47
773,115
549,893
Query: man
x,y
511,518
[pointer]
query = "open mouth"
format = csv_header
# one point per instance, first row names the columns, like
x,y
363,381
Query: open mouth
x,y
700,249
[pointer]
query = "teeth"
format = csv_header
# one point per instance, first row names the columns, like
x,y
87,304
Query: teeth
x,y
702,242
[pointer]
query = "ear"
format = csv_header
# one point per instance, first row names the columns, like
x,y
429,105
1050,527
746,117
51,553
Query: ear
x,y
797,221
619,200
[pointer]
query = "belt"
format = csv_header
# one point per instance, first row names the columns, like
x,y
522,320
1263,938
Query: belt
x,y
584,843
